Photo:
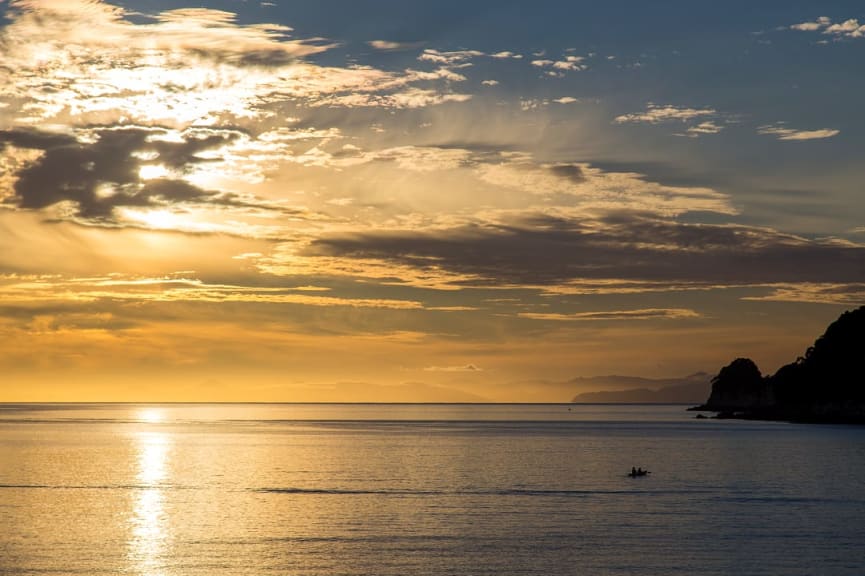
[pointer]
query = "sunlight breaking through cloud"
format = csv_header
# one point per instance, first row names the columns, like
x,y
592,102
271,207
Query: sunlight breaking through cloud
x,y
250,186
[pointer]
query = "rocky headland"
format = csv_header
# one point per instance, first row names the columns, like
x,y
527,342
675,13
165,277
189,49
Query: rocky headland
x,y
827,384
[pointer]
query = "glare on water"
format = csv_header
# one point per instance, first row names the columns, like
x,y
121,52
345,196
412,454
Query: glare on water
x,y
149,522
150,415
354,490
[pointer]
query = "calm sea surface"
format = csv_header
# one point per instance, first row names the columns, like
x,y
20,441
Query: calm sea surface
x,y
423,489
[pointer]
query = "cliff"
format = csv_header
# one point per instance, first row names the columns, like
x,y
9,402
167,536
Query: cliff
x,y
827,384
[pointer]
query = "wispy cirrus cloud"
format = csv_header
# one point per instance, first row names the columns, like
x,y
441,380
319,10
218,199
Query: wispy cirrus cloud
x,y
463,368
595,192
847,294
408,98
33,289
782,132
640,314
657,113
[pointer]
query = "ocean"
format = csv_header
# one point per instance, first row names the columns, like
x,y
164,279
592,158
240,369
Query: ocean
x,y
367,489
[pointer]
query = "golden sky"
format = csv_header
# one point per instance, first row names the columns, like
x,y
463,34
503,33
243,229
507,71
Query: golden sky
x,y
253,202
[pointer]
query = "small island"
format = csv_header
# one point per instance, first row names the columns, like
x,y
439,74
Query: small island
x,y
826,385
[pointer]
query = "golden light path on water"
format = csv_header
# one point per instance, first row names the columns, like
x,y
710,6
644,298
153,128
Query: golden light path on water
x,y
149,523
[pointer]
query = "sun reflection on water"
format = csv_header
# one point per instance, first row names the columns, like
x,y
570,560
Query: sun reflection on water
x,y
150,415
149,524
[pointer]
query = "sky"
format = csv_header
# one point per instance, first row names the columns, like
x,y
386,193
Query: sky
x,y
331,200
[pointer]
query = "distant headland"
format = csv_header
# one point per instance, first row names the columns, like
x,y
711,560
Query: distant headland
x,y
827,384
632,389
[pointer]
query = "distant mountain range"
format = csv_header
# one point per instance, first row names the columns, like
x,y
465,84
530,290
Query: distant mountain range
x,y
827,384
633,389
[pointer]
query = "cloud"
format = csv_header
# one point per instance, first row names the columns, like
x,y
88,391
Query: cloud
x,y
550,252
390,46
424,158
490,82
97,176
92,174
509,190
18,290
847,29
291,261
702,128
465,368
783,133
821,23
176,68
591,192
410,98
533,104
641,314
61,61
557,68
505,55
656,114
846,294
566,100
460,57
211,34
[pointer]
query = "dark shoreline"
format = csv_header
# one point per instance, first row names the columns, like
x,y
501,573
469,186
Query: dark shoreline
x,y
770,415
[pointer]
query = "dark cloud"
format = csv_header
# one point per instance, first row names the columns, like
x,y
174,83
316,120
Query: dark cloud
x,y
549,251
102,172
272,58
73,171
180,154
477,147
571,172
34,139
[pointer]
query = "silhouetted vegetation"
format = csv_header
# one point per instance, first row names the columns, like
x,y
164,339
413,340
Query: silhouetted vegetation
x,y
827,384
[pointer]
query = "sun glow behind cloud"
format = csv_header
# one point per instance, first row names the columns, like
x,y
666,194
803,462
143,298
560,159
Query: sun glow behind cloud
x,y
184,187
83,61
151,171
157,219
